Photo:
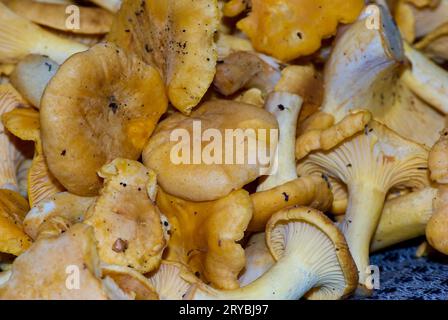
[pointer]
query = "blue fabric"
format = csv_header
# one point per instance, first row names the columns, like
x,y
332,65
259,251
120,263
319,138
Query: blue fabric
x,y
406,277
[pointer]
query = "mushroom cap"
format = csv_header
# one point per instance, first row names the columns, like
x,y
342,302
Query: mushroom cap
x,y
186,180
24,123
172,280
336,281
13,208
127,224
31,75
205,235
175,36
56,213
288,30
100,105
133,283
47,279
54,15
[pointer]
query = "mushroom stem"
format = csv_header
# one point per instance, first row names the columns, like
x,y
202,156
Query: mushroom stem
x,y
285,107
359,229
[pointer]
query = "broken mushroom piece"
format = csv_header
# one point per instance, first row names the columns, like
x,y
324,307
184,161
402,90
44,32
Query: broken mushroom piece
x,y
404,218
56,214
20,37
226,143
31,76
101,104
177,38
56,16
369,61
73,253
310,191
205,235
13,208
285,107
24,123
127,223
312,260
288,30
370,164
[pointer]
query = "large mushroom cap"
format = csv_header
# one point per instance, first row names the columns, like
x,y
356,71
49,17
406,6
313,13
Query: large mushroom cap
x,y
322,247
127,224
101,104
186,178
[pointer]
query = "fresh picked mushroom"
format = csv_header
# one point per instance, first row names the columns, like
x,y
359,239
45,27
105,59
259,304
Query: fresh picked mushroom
x,y
56,214
74,252
438,159
177,38
31,76
24,123
312,260
288,30
54,15
100,105
205,235
370,164
13,208
128,225
369,61
436,230
20,37
226,143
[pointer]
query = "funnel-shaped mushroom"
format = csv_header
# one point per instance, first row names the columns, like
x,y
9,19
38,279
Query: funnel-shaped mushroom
x,y
13,208
56,214
226,143
369,61
127,224
312,260
175,36
205,235
20,37
288,30
31,76
54,15
54,268
24,123
370,164
100,105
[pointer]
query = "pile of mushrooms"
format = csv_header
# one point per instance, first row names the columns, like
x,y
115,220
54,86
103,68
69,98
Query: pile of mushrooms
x,y
338,114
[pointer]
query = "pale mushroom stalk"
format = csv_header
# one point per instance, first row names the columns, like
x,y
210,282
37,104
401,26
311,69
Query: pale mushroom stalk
x,y
286,108
370,164
307,256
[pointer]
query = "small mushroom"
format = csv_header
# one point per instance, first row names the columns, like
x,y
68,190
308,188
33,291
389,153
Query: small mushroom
x,y
226,164
13,208
56,214
31,76
20,37
288,30
177,38
205,235
312,260
380,160
24,123
127,224
54,15
100,105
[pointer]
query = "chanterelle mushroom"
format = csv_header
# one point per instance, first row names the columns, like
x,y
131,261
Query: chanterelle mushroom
x,y
370,164
20,37
127,224
312,260
205,235
176,37
212,146
436,230
100,105
435,44
369,62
